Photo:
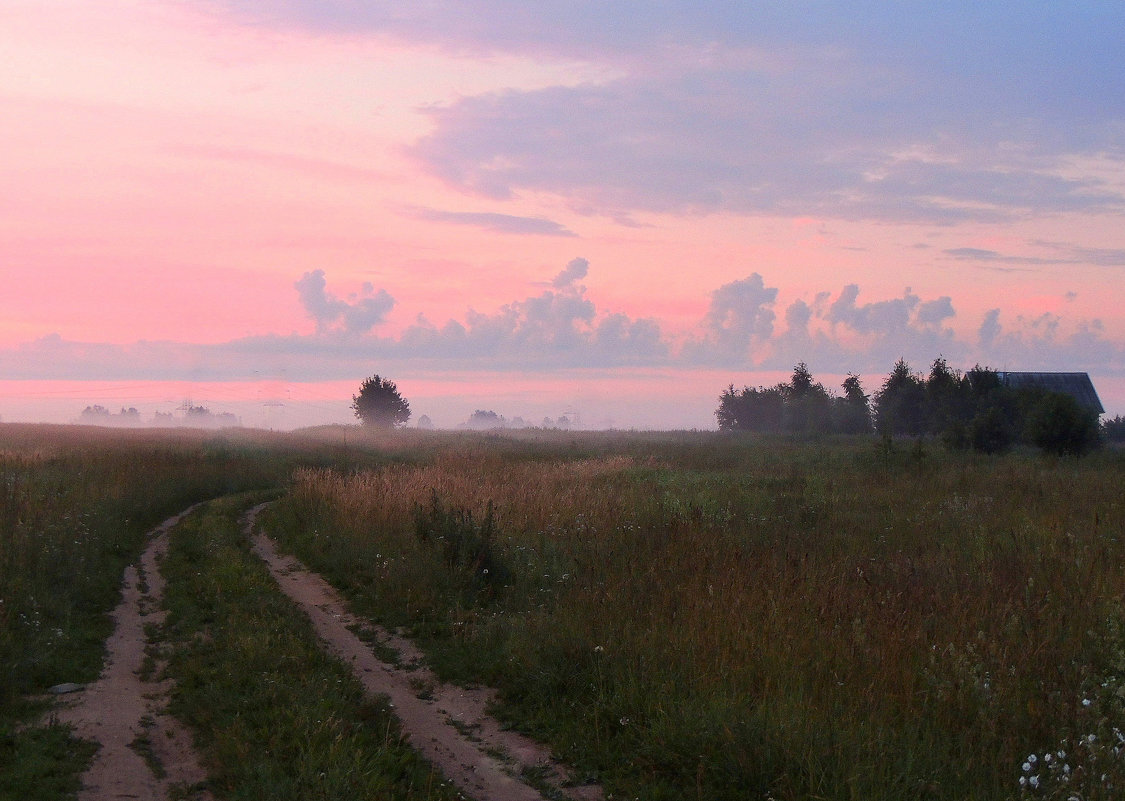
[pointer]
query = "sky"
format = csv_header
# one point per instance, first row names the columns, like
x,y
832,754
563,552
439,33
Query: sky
x,y
607,210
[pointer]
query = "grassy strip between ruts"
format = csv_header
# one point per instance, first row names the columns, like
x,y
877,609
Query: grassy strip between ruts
x,y
274,716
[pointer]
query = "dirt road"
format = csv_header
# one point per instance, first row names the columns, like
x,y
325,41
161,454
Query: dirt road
x,y
144,753
448,725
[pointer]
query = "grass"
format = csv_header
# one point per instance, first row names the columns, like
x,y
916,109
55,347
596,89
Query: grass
x,y
728,617
75,506
275,716
42,764
682,616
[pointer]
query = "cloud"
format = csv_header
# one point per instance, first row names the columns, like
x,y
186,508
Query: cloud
x,y
561,328
660,144
575,270
1063,253
926,112
501,223
739,319
357,316
1038,343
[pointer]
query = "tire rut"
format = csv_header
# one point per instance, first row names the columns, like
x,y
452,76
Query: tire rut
x,y
449,725
144,753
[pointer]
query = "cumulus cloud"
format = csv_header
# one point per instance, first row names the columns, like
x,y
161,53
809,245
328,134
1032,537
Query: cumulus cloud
x,y
739,321
561,327
830,333
1040,341
575,270
357,315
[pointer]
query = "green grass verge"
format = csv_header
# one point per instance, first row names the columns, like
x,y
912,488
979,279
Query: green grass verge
x,y
274,716
42,764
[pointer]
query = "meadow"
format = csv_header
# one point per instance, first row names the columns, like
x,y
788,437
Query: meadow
x,y
690,615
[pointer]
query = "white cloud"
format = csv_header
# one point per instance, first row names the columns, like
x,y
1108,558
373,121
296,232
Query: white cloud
x,y
575,270
357,315
561,328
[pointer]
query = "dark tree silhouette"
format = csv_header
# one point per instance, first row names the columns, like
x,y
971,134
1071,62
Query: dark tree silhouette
x,y
1058,424
900,406
379,404
852,413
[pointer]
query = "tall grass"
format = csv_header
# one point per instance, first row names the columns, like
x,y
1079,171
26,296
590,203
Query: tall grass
x,y
725,617
75,505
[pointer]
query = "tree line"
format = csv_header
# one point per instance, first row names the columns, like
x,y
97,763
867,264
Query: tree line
x,y
971,410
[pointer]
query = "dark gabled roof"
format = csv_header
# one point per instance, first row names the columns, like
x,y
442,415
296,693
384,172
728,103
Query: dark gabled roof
x,y
1077,385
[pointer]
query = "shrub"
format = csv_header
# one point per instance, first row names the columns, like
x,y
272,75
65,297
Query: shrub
x,y
1058,424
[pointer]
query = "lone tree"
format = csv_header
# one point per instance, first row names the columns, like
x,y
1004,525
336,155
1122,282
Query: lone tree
x,y
379,404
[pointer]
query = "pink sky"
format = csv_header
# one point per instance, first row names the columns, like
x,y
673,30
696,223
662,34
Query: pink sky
x,y
547,209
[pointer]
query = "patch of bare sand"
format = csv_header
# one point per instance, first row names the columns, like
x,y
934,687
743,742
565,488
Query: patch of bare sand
x,y
144,752
449,725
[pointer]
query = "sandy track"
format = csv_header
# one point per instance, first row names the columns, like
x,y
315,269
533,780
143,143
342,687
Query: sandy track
x,y
124,713
447,724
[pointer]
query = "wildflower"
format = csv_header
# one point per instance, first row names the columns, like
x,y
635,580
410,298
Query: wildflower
x,y
1033,781
1032,759
1026,767
1086,702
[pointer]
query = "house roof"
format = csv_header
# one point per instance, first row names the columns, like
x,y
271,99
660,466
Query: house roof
x,y
1077,385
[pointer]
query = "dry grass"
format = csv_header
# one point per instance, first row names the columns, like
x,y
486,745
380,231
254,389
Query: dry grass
x,y
734,617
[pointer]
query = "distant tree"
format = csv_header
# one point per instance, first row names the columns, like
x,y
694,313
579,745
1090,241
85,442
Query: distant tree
x,y
946,398
990,430
852,413
983,382
425,422
1059,424
95,413
808,407
379,404
752,409
483,420
1114,429
801,384
900,406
